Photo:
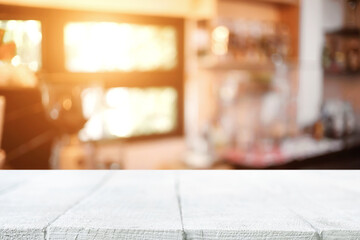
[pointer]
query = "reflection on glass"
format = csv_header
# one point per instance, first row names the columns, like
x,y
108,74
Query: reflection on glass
x,y
109,46
27,37
220,39
133,112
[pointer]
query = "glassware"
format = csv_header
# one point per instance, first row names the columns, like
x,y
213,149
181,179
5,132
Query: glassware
x,y
63,103
341,54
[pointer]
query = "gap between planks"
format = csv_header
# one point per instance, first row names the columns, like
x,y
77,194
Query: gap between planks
x,y
318,232
178,198
97,186
285,189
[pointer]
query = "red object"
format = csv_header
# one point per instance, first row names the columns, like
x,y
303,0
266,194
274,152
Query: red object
x,y
257,158
7,51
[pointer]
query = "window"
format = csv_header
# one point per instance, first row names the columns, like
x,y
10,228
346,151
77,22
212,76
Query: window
x,y
140,111
137,59
133,112
111,46
27,37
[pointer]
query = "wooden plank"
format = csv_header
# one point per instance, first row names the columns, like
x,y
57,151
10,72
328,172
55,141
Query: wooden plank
x,y
26,211
342,179
131,205
328,200
149,205
9,180
228,205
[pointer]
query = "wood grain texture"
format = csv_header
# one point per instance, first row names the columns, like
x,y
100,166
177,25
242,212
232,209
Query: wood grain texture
x,y
132,205
228,205
328,200
26,211
180,205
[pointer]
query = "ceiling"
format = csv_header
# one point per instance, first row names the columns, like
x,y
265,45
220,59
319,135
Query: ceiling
x,y
180,8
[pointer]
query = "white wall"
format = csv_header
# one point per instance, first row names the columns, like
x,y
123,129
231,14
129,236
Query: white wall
x,y
311,39
317,17
333,14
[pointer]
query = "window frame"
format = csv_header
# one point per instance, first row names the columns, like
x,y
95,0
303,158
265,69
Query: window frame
x,y
53,53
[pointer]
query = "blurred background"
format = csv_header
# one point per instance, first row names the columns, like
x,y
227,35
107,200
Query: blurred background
x,y
180,84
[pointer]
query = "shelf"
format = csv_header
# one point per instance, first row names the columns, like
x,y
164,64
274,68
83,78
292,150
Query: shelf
x,y
235,65
282,2
287,2
18,88
290,150
342,76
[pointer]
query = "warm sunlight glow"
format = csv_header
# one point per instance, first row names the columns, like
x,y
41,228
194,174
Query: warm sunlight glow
x,y
110,46
220,39
133,112
119,117
27,37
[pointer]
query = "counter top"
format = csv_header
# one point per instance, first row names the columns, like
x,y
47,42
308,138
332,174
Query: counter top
x,y
290,150
179,205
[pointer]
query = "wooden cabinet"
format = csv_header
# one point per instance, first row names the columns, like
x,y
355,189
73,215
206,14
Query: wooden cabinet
x,y
27,135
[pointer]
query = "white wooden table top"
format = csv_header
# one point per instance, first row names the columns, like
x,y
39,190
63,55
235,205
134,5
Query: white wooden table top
x,y
180,205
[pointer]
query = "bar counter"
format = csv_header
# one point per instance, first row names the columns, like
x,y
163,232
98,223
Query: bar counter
x,y
179,205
